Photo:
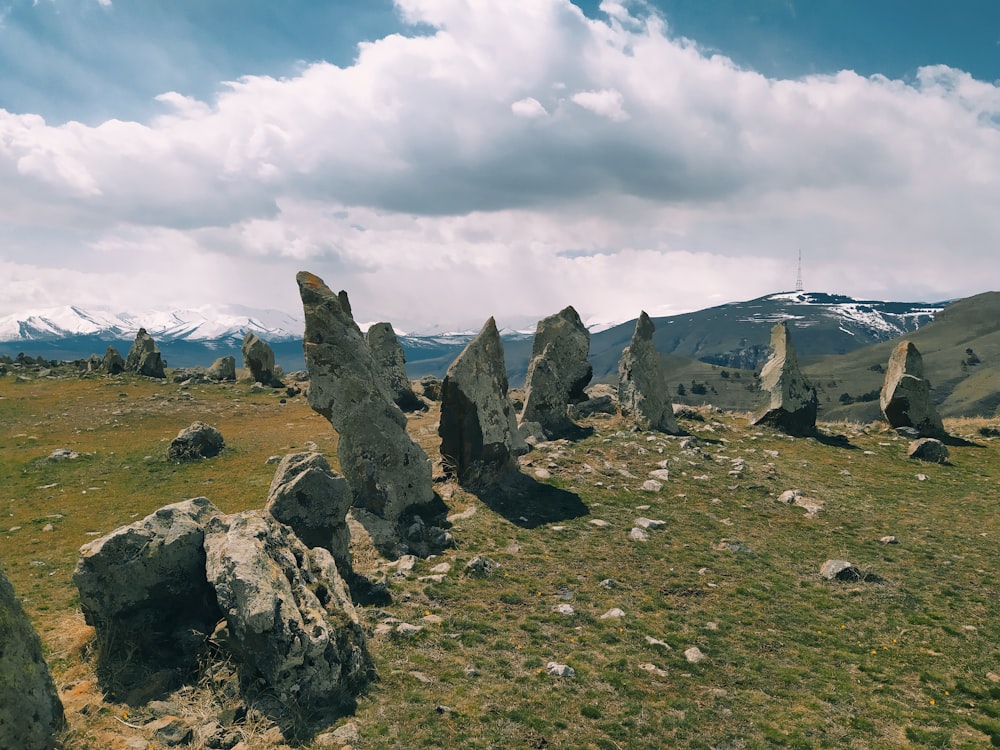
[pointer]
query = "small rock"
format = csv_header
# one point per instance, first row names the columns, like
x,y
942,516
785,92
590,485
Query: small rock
x,y
649,523
480,565
406,630
63,454
564,609
694,655
608,583
599,523
657,642
560,670
48,527
840,570
711,626
889,540
653,669
273,460
638,535
435,578
543,474
171,731
441,568
432,619
662,474
612,614
930,450
651,485
342,735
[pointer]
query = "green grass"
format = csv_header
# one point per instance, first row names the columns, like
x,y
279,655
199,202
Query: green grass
x,y
905,660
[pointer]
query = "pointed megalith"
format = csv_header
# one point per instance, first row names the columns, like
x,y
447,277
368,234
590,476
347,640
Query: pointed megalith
x,y
387,471
391,362
258,358
793,401
112,364
906,396
642,390
144,358
557,373
478,428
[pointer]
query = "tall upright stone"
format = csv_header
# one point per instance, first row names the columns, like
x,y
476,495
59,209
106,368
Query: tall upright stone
x,y
558,372
144,358
258,358
792,401
31,714
391,362
905,398
642,387
478,427
388,472
112,364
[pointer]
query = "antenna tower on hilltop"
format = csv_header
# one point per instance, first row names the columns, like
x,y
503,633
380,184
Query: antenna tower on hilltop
x,y
799,287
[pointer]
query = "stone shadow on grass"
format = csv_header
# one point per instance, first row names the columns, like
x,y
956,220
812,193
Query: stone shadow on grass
x,y
528,503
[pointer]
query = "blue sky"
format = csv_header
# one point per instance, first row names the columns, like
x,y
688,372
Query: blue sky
x,y
495,158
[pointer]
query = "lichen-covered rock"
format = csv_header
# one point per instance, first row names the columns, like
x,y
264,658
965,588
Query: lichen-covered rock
x,y
792,402
391,363
905,398
196,441
224,368
258,358
112,364
289,615
388,472
308,496
143,586
144,358
31,714
930,450
558,372
642,388
429,387
480,441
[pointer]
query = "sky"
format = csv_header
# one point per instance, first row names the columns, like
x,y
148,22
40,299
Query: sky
x,y
449,160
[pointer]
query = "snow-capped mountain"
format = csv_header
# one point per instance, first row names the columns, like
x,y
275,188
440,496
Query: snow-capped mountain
x,y
209,323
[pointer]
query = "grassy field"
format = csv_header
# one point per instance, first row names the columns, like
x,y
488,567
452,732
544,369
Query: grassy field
x,y
907,658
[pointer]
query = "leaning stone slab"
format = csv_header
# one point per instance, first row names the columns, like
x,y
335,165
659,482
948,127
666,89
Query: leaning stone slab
x,y
792,401
31,714
388,472
258,358
143,586
480,441
289,615
642,391
905,397
391,363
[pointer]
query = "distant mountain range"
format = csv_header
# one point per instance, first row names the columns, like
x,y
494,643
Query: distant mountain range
x,y
733,335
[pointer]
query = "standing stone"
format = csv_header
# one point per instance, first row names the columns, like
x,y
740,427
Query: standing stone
x,y
30,711
308,496
113,364
94,363
258,357
793,401
478,428
642,388
144,358
388,472
288,613
391,362
224,368
906,396
143,588
558,372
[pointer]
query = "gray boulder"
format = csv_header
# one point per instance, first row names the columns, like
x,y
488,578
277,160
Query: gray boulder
x,y
258,358
642,388
308,496
94,363
144,358
143,588
391,363
429,386
930,450
480,442
224,368
792,402
196,441
31,714
905,398
558,372
112,364
388,472
289,617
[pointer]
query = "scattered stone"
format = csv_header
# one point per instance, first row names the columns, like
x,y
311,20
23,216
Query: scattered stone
x,y
612,614
798,498
63,454
922,477
638,535
599,523
308,496
558,372
560,670
905,398
48,527
840,570
289,614
344,735
406,630
144,358
603,404
653,669
564,609
441,568
649,523
31,714
171,731
930,450
711,625
388,472
642,391
258,358
662,475
480,441
480,566
889,540
429,387
222,369
390,362
651,485
608,583
657,642
793,401
694,655
196,441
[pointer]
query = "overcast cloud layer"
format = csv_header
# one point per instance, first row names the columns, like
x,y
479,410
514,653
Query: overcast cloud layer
x,y
517,158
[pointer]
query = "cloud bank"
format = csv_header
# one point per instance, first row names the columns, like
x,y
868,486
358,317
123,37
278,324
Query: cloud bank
x,y
516,158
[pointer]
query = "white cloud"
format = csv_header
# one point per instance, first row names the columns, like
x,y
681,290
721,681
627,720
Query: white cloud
x,y
407,180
